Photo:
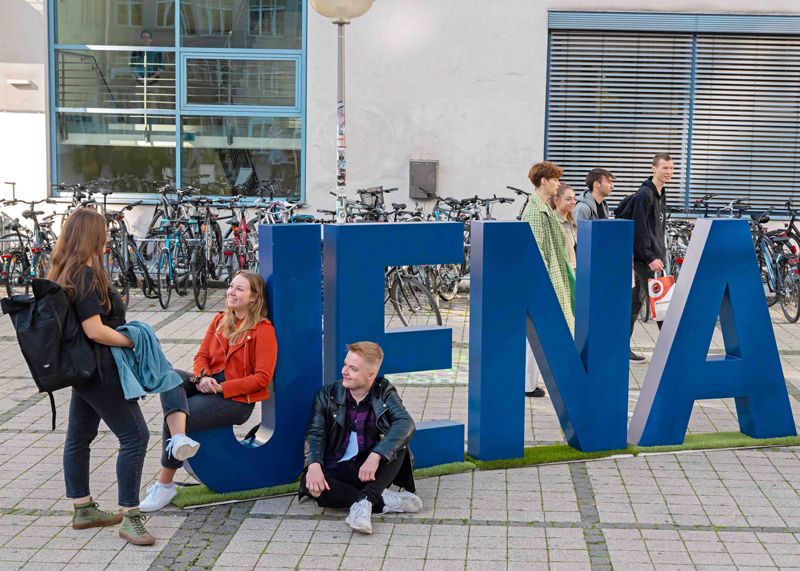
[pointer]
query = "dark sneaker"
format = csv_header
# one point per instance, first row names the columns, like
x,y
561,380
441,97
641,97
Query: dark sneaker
x,y
538,392
635,357
132,529
90,515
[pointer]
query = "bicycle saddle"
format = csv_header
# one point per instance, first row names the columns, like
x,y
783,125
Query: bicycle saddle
x,y
28,214
13,226
398,205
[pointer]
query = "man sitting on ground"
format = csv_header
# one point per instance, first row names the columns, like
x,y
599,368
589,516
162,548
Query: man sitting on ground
x,y
357,443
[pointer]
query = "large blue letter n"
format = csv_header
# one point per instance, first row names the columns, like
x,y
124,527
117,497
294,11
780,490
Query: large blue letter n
x,y
587,378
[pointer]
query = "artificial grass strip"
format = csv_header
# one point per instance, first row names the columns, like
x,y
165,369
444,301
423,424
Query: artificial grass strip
x,y
712,440
444,470
535,455
189,496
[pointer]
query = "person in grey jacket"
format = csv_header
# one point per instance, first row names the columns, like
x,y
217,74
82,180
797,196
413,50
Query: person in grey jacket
x,y
592,203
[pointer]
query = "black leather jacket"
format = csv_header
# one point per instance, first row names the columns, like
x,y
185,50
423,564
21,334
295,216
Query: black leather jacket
x,y
326,429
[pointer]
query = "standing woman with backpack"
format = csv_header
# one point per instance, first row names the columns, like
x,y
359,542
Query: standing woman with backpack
x,y
77,266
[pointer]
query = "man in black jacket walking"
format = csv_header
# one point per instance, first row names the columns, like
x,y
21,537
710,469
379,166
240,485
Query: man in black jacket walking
x,y
357,443
648,207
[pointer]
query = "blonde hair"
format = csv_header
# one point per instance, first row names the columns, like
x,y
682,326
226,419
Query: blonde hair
x,y
369,351
83,237
551,201
256,312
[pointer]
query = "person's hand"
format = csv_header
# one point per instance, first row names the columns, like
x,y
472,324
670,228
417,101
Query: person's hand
x,y
656,265
315,480
367,471
208,385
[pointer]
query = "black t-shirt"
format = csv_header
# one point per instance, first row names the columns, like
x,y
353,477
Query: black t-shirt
x,y
601,212
88,302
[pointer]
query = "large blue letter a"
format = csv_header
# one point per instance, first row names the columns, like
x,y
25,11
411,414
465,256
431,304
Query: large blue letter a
x,y
720,277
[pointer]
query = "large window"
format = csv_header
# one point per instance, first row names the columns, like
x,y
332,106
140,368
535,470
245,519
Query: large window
x,y
725,106
213,100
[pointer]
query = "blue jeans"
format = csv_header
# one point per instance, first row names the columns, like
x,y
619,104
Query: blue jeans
x,y
203,411
102,398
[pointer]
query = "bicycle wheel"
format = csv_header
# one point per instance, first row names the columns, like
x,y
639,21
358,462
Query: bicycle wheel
x,y
163,279
41,264
214,252
414,303
137,265
17,281
116,273
448,277
199,277
769,293
181,268
790,297
231,261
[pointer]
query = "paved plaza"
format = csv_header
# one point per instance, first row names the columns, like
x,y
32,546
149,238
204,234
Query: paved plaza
x,y
708,510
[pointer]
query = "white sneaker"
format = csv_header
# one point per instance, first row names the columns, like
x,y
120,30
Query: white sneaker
x,y
158,496
181,447
360,516
400,502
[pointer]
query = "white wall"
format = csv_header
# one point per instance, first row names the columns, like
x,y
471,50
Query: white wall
x,y
458,81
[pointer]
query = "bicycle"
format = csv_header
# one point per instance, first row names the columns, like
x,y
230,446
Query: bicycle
x,y
173,269
125,262
30,257
780,267
411,301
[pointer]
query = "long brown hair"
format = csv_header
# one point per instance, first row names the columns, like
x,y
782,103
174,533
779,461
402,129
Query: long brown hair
x,y
82,240
256,312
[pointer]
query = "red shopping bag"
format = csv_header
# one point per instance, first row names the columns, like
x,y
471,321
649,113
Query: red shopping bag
x,y
660,293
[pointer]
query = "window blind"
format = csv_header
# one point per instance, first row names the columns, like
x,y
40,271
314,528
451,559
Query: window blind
x,y
614,100
726,107
746,134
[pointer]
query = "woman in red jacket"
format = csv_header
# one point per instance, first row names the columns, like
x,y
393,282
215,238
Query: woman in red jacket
x,y
232,371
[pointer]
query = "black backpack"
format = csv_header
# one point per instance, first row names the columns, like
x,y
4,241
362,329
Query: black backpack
x,y
51,338
625,208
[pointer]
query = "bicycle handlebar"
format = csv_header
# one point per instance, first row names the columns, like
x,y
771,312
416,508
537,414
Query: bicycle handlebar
x,y
519,191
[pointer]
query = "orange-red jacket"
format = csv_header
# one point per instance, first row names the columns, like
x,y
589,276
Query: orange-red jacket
x,y
248,365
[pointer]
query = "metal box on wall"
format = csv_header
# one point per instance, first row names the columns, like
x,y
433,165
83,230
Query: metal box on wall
x,y
423,174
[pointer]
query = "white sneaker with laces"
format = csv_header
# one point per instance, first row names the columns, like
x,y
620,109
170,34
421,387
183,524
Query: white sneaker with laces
x,y
181,447
158,496
360,516
400,502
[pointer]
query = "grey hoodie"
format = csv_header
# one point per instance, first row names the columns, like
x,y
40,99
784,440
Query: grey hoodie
x,y
586,207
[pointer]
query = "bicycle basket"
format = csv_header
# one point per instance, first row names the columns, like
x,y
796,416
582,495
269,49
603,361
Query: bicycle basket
x,y
371,197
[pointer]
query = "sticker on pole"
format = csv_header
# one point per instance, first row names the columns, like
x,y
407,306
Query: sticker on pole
x,y
660,294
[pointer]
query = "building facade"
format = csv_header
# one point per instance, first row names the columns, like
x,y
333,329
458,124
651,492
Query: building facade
x,y
231,93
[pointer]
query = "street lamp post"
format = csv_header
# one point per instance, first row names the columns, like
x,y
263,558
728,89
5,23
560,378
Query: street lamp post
x,y
341,12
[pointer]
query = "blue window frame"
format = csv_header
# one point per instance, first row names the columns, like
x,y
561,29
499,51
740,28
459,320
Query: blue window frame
x,y
211,102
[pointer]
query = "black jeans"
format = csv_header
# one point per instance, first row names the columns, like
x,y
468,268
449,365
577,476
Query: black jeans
x,y
642,273
202,410
102,398
345,487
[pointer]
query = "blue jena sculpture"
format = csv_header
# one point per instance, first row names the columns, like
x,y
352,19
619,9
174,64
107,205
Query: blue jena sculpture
x,y
511,300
